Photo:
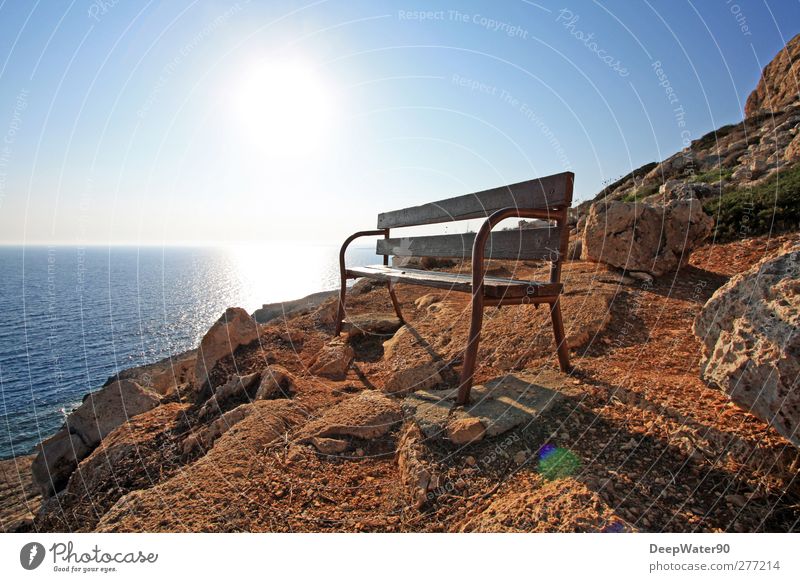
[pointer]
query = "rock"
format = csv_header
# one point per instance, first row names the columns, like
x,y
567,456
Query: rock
x,y
234,329
103,411
682,190
371,324
328,446
402,339
276,382
270,311
367,415
205,438
463,431
417,471
364,286
333,360
792,152
163,376
643,237
751,346
57,458
500,406
520,457
641,276
326,313
423,377
426,300
100,413
575,249
236,386
777,87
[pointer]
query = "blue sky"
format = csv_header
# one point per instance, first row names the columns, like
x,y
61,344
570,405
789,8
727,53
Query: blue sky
x,y
218,122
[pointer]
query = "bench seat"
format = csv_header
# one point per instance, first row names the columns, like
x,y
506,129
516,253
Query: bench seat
x,y
494,287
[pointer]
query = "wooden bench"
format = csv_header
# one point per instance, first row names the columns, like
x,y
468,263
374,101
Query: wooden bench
x,y
547,199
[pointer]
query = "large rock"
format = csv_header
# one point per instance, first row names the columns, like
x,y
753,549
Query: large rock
x,y
57,458
778,85
751,344
235,328
165,375
100,413
103,411
367,415
422,377
333,360
644,237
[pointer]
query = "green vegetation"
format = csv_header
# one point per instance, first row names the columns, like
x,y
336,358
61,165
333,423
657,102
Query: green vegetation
x,y
713,175
773,206
641,192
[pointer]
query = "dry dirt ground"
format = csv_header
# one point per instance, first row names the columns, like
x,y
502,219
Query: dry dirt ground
x,y
636,443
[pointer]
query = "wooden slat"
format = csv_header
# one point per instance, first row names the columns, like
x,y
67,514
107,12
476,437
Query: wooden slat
x,y
551,192
535,243
493,286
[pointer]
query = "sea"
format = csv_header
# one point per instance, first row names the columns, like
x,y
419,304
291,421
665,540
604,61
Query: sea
x,y
70,317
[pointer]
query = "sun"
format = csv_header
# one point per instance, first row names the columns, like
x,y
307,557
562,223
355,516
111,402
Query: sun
x,y
284,107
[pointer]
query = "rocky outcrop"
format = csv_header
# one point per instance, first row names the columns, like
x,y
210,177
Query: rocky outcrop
x,y
270,311
165,375
100,413
368,415
234,329
778,86
643,237
751,342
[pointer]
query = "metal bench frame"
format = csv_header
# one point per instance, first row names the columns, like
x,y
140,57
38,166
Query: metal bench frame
x,y
556,212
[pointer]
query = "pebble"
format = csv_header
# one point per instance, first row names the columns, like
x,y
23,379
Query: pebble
x,y
470,461
520,457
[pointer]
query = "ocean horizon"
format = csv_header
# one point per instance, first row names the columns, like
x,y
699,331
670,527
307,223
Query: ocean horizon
x,y
71,316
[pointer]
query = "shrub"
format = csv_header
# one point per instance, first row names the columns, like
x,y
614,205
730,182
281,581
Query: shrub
x,y
773,206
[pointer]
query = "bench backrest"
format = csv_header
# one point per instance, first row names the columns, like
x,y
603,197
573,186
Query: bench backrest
x,y
552,193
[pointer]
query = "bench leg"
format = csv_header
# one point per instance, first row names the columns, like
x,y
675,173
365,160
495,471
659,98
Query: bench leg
x,y
340,308
395,302
560,336
471,353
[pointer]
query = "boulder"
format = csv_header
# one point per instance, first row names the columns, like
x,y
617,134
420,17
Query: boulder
x,y
751,345
276,382
103,411
644,237
422,377
368,415
57,458
427,300
777,87
100,413
463,431
235,328
333,360
165,375
371,324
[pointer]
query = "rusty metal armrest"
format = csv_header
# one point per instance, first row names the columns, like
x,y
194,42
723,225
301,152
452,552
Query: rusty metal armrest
x,y
478,271
343,268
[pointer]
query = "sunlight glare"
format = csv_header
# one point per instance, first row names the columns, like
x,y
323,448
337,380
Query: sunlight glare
x,y
284,107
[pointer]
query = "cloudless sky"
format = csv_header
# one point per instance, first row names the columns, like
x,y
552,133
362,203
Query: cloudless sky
x,y
188,122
